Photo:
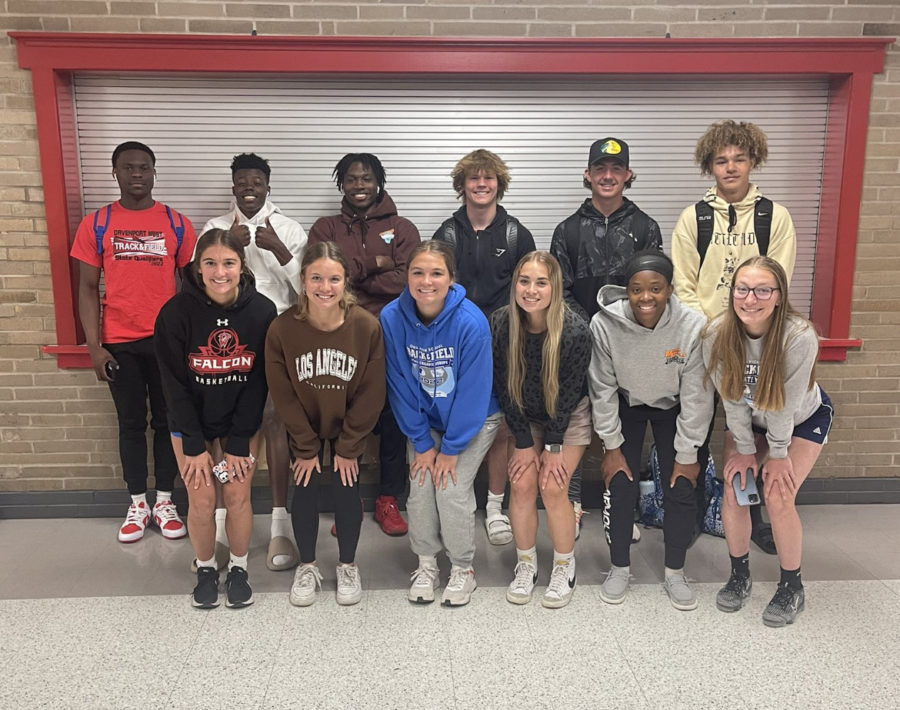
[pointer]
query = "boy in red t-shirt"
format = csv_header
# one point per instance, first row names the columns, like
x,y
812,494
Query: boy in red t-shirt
x,y
138,243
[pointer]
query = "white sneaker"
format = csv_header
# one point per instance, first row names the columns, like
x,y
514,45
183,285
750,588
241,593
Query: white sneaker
x,y
424,582
521,588
167,519
136,520
459,589
349,586
307,581
559,591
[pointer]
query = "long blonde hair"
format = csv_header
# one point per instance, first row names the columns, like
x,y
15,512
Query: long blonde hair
x,y
728,352
314,252
550,355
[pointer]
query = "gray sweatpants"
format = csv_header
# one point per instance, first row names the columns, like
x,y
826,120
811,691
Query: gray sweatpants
x,y
440,519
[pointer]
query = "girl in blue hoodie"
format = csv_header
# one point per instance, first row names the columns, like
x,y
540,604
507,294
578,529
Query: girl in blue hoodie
x,y
439,373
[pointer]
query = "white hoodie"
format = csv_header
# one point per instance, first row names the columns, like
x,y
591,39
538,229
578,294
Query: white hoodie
x,y
658,367
280,284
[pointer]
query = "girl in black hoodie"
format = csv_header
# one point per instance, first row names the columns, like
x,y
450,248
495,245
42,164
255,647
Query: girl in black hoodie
x,y
210,344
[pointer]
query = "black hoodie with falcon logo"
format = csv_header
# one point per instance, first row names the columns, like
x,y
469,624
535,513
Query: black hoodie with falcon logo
x,y
212,362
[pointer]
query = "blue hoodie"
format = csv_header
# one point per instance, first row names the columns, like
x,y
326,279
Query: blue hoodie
x,y
440,375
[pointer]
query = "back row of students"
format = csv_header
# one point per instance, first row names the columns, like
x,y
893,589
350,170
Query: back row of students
x,y
592,248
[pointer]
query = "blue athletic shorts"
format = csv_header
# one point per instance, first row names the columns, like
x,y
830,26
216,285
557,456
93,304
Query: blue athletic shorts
x,y
818,425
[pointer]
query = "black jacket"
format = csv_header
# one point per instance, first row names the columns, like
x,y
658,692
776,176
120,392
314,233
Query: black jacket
x,y
212,364
592,250
484,263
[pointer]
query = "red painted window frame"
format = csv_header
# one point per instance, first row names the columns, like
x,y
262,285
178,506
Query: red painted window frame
x,y
848,63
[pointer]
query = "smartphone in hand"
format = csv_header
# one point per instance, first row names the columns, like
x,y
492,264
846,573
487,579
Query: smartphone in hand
x,y
749,495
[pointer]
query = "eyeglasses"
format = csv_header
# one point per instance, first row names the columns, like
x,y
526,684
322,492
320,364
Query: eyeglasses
x,y
762,293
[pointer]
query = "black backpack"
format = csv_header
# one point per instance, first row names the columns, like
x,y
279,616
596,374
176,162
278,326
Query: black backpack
x,y
762,225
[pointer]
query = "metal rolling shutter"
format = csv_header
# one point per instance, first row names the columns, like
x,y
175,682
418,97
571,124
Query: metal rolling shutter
x,y
420,127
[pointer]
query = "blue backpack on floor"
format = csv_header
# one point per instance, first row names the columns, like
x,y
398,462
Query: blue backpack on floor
x,y
650,504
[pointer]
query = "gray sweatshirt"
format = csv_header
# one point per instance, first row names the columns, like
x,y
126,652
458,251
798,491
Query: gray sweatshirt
x,y
801,349
659,367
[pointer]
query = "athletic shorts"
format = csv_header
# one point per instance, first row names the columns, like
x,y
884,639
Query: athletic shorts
x,y
818,425
579,431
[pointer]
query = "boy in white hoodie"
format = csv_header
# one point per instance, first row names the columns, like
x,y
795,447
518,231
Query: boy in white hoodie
x,y
273,247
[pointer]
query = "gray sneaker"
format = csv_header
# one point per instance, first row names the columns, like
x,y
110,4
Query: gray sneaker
x,y
349,585
784,607
680,593
460,587
734,594
615,587
521,588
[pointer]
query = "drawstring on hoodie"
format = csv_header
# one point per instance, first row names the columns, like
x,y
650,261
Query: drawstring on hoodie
x,y
732,218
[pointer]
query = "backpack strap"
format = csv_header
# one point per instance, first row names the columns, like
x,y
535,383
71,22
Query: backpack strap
x,y
450,232
512,236
179,230
705,223
640,228
100,229
762,224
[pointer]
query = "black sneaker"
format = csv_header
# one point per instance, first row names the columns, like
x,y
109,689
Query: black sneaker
x,y
237,589
734,594
784,607
206,593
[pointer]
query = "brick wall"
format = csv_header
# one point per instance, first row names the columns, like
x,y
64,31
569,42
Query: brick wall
x,y
58,428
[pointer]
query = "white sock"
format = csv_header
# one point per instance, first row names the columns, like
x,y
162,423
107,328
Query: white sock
x,y
207,563
674,572
238,561
529,555
565,558
281,523
221,536
139,498
163,496
428,561
494,503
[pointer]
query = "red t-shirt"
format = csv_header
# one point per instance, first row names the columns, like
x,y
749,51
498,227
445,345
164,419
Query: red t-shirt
x,y
138,264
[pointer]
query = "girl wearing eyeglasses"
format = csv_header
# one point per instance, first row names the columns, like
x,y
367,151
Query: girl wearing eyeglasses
x,y
761,356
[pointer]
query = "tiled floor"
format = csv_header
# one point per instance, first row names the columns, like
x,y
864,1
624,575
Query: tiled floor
x,y
88,623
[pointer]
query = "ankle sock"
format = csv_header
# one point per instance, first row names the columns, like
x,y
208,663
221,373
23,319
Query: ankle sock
x,y
740,566
139,498
207,563
237,561
529,555
791,578
428,561
565,558
221,535
281,523
494,503
674,572
163,496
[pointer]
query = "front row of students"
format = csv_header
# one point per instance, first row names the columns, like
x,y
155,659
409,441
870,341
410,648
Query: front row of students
x,y
645,358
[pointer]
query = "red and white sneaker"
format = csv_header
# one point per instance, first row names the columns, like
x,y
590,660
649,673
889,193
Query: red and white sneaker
x,y
166,517
137,519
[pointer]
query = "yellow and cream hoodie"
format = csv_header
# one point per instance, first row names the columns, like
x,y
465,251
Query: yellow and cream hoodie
x,y
733,241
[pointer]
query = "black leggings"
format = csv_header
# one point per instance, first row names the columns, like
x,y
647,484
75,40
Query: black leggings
x,y
679,503
347,517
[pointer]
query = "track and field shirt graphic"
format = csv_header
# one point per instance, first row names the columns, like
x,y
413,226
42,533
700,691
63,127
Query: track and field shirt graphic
x,y
439,375
326,385
138,263
211,359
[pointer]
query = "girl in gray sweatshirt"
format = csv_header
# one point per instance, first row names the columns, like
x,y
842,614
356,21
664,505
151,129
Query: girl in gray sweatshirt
x,y
647,368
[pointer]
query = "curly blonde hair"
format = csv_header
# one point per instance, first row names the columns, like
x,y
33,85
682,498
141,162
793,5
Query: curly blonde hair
x,y
480,161
745,135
